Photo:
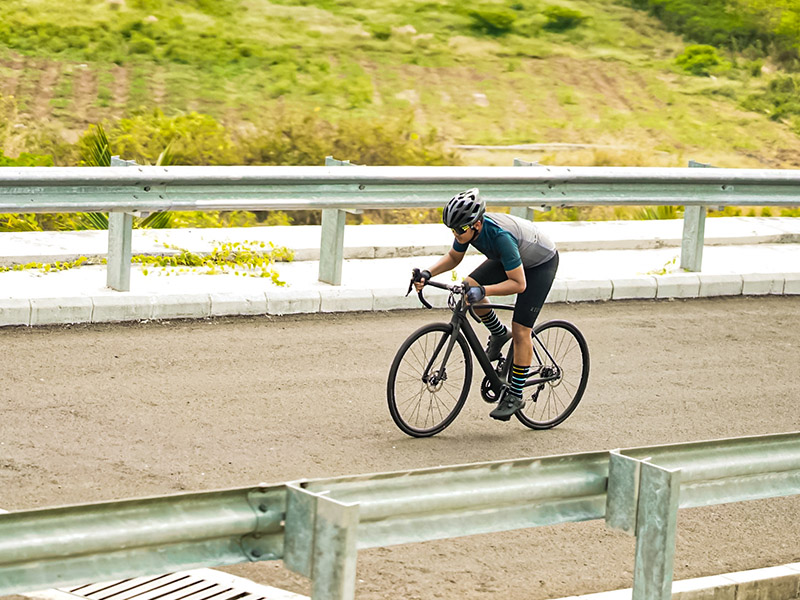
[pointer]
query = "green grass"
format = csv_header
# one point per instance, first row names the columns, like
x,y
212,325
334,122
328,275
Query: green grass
x,y
610,78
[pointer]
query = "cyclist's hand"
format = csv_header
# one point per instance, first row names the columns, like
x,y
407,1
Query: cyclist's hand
x,y
475,294
421,278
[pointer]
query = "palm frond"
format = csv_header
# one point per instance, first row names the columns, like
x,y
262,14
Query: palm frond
x,y
98,150
158,220
167,157
92,220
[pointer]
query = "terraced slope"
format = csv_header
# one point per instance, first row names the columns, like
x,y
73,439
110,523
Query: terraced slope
x,y
608,84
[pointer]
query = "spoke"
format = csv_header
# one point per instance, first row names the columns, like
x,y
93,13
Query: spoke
x,y
563,338
418,396
413,376
409,365
555,402
422,361
559,340
568,384
437,406
416,412
572,347
455,398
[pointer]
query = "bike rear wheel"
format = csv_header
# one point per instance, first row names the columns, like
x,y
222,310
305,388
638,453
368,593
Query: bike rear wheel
x,y
424,395
550,403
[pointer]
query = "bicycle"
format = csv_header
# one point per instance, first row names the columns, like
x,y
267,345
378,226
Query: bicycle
x,y
429,383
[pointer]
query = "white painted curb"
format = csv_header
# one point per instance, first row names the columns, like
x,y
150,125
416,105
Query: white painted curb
x,y
285,301
772,583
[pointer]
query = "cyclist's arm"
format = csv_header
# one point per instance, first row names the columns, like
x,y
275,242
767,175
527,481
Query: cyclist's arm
x,y
448,262
515,284
512,263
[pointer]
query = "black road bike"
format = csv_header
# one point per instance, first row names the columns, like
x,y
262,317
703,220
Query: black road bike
x,y
431,374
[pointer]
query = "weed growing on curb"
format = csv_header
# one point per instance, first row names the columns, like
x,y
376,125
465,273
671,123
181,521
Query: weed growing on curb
x,y
47,267
246,259
669,267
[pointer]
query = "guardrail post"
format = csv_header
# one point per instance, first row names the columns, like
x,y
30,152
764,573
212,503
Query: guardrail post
x,y
335,554
320,543
331,246
694,230
656,522
525,212
622,496
120,234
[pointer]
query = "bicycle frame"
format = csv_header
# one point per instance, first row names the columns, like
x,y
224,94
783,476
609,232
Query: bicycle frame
x,y
460,323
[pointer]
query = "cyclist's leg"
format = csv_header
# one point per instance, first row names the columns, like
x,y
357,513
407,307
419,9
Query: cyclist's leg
x,y
490,272
538,281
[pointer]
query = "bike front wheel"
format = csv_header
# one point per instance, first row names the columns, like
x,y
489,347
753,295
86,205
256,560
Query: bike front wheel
x,y
563,354
425,393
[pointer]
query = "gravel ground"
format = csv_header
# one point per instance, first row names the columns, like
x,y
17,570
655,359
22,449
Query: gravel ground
x,y
96,412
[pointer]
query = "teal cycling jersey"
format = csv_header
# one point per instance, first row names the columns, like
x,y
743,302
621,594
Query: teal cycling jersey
x,y
511,240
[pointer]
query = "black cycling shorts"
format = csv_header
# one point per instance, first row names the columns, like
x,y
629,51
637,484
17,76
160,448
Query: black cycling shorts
x,y
538,282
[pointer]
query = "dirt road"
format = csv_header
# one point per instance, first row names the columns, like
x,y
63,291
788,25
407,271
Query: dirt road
x,y
98,412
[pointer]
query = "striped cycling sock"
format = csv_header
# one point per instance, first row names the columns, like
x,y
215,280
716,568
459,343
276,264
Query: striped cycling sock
x,y
517,379
493,324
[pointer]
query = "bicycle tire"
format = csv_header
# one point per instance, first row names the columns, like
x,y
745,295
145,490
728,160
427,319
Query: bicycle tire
x,y
405,377
557,400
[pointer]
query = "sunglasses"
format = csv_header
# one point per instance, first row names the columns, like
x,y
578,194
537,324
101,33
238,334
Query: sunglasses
x,y
461,230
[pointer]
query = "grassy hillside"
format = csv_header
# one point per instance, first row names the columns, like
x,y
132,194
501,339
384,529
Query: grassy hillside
x,y
600,75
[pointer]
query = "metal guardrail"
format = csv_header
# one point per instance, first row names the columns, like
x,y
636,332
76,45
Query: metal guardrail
x,y
129,189
317,526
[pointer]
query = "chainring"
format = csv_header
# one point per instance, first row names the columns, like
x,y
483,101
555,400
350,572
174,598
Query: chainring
x,y
487,393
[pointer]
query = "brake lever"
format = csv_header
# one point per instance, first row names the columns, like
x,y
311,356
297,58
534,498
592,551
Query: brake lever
x,y
464,289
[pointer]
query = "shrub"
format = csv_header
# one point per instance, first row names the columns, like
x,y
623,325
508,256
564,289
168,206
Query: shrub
x,y
193,139
492,21
560,18
699,59
140,44
26,160
740,25
381,32
781,99
303,139
647,213
754,67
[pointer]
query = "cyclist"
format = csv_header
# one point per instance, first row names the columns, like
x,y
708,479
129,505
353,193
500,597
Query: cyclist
x,y
521,260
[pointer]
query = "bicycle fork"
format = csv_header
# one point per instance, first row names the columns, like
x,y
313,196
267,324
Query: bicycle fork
x,y
435,378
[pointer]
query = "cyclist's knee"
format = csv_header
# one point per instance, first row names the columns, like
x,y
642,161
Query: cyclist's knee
x,y
520,332
471,281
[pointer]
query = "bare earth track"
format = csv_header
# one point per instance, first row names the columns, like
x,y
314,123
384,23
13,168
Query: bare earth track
x,y
98,412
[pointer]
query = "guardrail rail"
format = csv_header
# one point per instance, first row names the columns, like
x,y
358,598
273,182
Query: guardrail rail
x,y
125,189
317,526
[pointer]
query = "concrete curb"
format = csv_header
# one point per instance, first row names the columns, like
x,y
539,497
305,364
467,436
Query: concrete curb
x,y
127,306
771,583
